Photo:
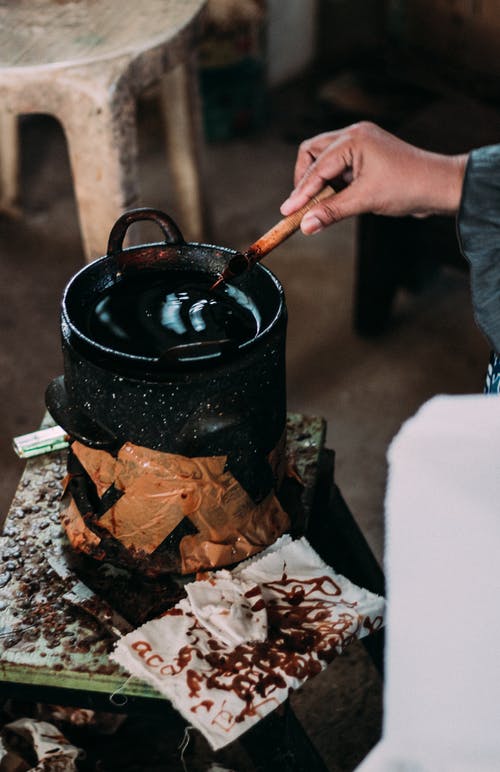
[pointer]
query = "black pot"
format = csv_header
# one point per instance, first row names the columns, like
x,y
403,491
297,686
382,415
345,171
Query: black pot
x,y
232,402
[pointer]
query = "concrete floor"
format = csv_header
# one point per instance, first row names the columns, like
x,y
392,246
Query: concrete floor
x,y
364,388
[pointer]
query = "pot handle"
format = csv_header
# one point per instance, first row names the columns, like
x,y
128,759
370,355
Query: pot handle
x,y
75,421
115,242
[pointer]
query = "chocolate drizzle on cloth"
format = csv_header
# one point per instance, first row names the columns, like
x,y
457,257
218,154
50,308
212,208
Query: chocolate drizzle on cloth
x,y
479,235
223,689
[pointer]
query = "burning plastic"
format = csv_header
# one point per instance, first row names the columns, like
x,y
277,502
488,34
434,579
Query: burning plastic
x,y
165,512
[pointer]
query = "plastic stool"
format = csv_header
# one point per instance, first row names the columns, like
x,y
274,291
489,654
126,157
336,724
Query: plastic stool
x,y
85,63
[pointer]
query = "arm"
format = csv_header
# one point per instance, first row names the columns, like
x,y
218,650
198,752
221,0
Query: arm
x,y
479,235
387,176
384,175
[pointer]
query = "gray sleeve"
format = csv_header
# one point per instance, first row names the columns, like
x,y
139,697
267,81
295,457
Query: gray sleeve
x,y
479,237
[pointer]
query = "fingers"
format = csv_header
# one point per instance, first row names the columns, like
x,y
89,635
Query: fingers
x,y
384,175
332,162
303,194
309,150
330,210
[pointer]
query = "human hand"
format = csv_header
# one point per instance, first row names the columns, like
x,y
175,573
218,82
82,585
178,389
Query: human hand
x,y
384,175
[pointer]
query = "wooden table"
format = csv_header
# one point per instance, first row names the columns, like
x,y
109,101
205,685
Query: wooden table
x,y
50,652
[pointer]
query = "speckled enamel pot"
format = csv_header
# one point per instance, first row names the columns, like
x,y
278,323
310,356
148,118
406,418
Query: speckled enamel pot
x,y
234,405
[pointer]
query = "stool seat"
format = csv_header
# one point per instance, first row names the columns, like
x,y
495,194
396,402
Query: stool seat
x,y
85,63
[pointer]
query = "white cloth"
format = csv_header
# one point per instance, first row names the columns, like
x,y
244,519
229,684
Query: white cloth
x,y
232,610
222,690
442,692
51,748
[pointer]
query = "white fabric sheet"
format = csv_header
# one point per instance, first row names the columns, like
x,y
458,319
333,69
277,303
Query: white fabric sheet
x,y
221,689
442,692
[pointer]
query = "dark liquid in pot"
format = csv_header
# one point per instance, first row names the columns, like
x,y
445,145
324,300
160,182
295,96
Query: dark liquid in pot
x,y
173,314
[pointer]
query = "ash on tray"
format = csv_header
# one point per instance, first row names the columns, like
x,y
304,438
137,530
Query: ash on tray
x,y
37,626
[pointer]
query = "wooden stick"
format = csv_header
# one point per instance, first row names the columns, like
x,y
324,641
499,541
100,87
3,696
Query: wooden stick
x,y
275,236
284,228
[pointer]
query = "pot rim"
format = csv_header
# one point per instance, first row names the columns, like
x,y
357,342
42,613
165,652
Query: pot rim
x,y
136,359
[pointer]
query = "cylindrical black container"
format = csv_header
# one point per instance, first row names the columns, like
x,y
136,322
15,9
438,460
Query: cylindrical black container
x,y
232,402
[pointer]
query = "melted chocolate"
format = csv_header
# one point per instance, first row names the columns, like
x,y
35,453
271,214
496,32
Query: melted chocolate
x,y
158,313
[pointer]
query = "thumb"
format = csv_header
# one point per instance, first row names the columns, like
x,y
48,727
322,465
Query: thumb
x,y
331,210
